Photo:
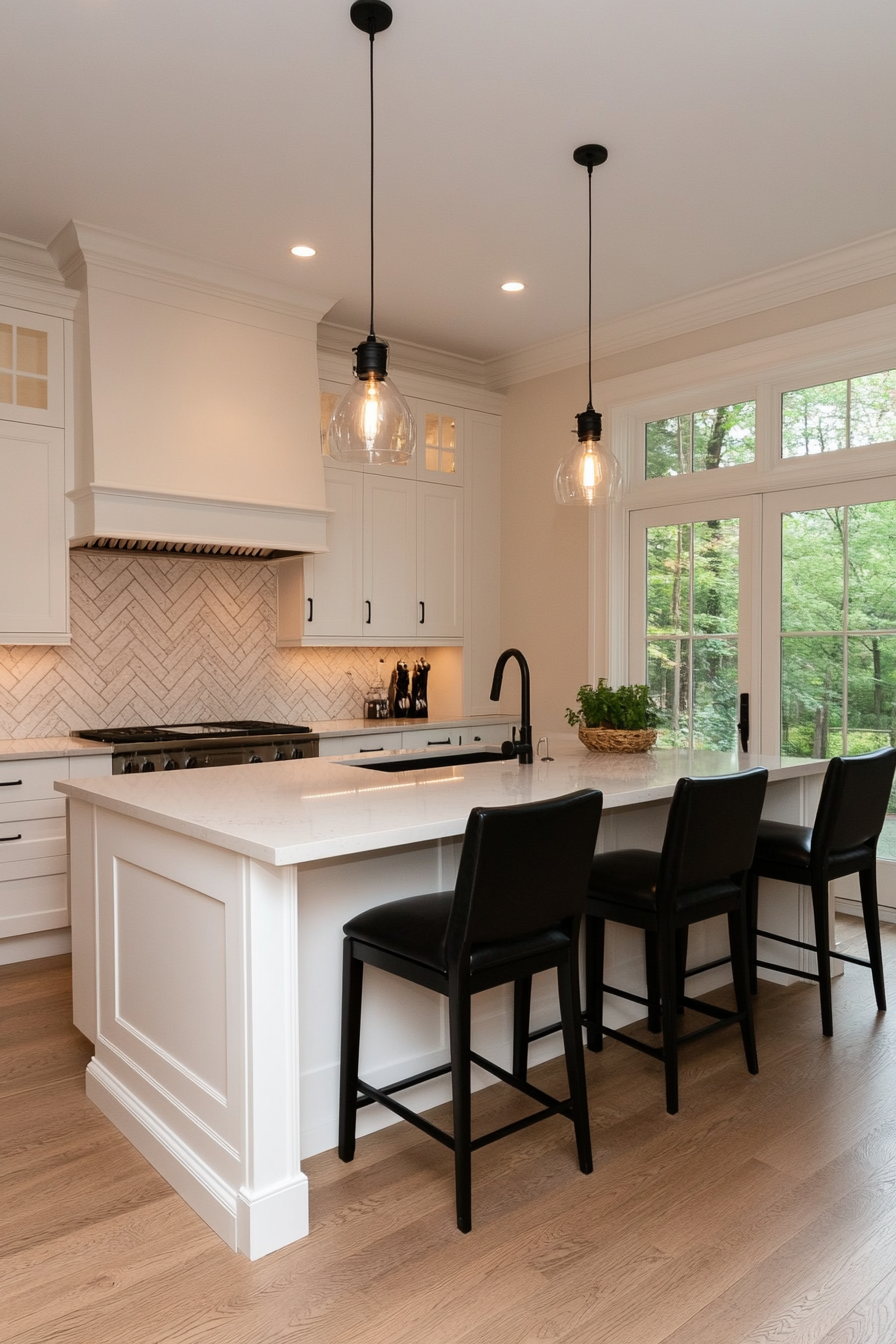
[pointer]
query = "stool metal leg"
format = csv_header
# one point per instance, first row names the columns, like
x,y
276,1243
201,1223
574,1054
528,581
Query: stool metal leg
x,y
522,999
459,1031
752,921
868,886
669,1008
352,983
737,939
595,933
570,1015
823,945
652,966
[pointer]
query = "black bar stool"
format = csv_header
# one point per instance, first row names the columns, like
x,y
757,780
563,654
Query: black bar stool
x,y
850,817
701,872
515,910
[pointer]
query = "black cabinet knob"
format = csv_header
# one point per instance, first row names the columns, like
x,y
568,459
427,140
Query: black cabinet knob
x,y
147,767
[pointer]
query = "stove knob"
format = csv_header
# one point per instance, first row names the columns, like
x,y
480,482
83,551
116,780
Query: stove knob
x,y
190,763
147,767
129,767
279,756
170,764
297,753
254,760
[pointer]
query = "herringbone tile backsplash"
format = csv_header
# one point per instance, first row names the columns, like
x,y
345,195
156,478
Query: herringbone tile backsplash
x,y
173,641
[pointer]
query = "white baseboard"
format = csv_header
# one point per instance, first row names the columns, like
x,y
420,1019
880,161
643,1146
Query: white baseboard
x,y
252,1224
848,907
30,946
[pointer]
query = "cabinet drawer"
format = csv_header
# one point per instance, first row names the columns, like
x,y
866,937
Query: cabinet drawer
x,y
31,904
360,742
42,838
31,779
432,737
29,809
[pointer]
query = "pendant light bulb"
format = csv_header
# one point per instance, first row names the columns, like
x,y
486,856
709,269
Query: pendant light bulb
x,y
589,473
372,423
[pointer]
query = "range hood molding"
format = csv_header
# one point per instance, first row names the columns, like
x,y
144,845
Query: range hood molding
x,y
197,400
105,511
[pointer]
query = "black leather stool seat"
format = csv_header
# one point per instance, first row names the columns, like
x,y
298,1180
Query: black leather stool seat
x,y
851,814
516,910
416,927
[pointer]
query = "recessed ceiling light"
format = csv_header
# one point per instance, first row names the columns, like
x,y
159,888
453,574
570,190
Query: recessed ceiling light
x,y
513,286
302,251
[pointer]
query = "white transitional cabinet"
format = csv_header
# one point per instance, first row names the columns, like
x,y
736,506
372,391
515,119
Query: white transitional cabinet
x,y
394,571
390,558
33,470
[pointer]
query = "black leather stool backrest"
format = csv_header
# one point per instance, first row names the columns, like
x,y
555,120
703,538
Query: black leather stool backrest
x,y
711,831
853,803
523,868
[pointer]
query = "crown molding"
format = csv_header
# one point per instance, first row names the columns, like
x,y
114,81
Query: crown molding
x,y
868,259
27,273
79,242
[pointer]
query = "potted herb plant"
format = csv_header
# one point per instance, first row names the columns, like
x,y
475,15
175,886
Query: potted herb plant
x,y
623,719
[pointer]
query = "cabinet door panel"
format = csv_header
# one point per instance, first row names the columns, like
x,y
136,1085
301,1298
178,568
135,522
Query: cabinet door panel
x,y
33,552
440,591
390,557
333,580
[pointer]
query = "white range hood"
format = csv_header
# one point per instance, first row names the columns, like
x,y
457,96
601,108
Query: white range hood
x,y
196,403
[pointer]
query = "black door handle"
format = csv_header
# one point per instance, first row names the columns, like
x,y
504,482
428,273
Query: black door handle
x,y
422,612
310,609
363,749
368,612
743,722
9,783
4,838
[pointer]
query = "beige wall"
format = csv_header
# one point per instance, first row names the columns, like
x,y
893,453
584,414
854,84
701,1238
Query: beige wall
x,y
545,546
544,552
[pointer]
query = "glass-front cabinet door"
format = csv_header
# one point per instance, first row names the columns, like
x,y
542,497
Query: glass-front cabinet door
x,y
693,579
31,368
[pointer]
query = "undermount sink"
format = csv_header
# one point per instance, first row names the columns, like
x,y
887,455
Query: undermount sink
x,y
400,763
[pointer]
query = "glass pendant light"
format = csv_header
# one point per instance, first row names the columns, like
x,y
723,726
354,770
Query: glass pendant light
x,y
372,423
589,472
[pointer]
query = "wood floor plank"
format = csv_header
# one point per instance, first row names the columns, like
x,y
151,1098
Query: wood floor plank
x,y
763,1211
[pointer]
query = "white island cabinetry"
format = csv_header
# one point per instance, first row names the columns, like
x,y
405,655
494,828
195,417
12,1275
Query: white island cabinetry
x,y
230,888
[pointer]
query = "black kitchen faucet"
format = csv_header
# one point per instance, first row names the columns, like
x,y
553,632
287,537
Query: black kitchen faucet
x,y
522,748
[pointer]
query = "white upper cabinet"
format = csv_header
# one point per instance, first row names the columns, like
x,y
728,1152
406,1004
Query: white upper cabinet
x,y
33,548
440,446
333,580
440,554
32,382
33,477
390,558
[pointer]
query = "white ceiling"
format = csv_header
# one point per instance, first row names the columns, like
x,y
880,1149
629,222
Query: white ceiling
x,y
743,134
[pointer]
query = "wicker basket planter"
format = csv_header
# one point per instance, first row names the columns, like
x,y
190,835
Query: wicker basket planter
x,y
617,739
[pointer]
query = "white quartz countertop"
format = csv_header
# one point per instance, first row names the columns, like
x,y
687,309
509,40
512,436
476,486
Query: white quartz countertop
x,y
21,748
289,812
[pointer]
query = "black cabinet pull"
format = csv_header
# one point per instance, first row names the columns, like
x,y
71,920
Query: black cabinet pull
x,y
4,838
440,742
363,749
9,783
422,612
310,609
368,611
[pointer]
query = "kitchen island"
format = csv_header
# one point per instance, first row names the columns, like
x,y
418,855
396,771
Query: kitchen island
x,y
207,914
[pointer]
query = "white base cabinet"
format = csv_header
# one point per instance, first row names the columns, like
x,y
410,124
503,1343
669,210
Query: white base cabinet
x,y
34,843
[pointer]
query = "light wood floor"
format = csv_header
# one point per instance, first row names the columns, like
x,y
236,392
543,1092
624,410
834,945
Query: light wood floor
x,y
765,1211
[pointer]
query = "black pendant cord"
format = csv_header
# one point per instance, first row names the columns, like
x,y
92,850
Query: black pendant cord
x,y
590,251
372,333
